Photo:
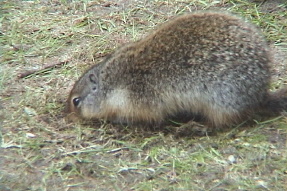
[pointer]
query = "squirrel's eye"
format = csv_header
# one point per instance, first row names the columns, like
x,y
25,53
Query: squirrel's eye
x,y
76,101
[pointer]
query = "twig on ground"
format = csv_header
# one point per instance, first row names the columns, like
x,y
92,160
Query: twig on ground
x,y
42,70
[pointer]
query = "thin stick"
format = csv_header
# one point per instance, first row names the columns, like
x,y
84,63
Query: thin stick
x,y
42,70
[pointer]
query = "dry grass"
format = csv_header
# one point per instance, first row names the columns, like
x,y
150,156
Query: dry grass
x,y
41,151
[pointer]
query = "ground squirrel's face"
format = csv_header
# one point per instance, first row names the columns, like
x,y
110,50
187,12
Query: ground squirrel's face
x,y
85,97
94,97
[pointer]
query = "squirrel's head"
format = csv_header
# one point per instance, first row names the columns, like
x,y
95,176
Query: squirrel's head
x,y
86,97
96,95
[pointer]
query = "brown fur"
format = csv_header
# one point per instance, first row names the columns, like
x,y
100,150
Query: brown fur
x,y
207,63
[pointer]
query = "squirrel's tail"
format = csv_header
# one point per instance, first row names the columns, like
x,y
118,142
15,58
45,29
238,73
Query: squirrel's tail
x,y
276,102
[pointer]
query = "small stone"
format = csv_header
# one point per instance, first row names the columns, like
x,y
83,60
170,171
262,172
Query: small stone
x,y
231,159
30,111
30,135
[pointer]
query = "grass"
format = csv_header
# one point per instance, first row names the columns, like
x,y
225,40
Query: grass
x,y
42,151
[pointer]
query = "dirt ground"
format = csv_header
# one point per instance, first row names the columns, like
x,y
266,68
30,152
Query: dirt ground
x,y
45,47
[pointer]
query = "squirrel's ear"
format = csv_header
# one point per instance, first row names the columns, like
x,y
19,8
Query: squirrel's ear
x,y
93,78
